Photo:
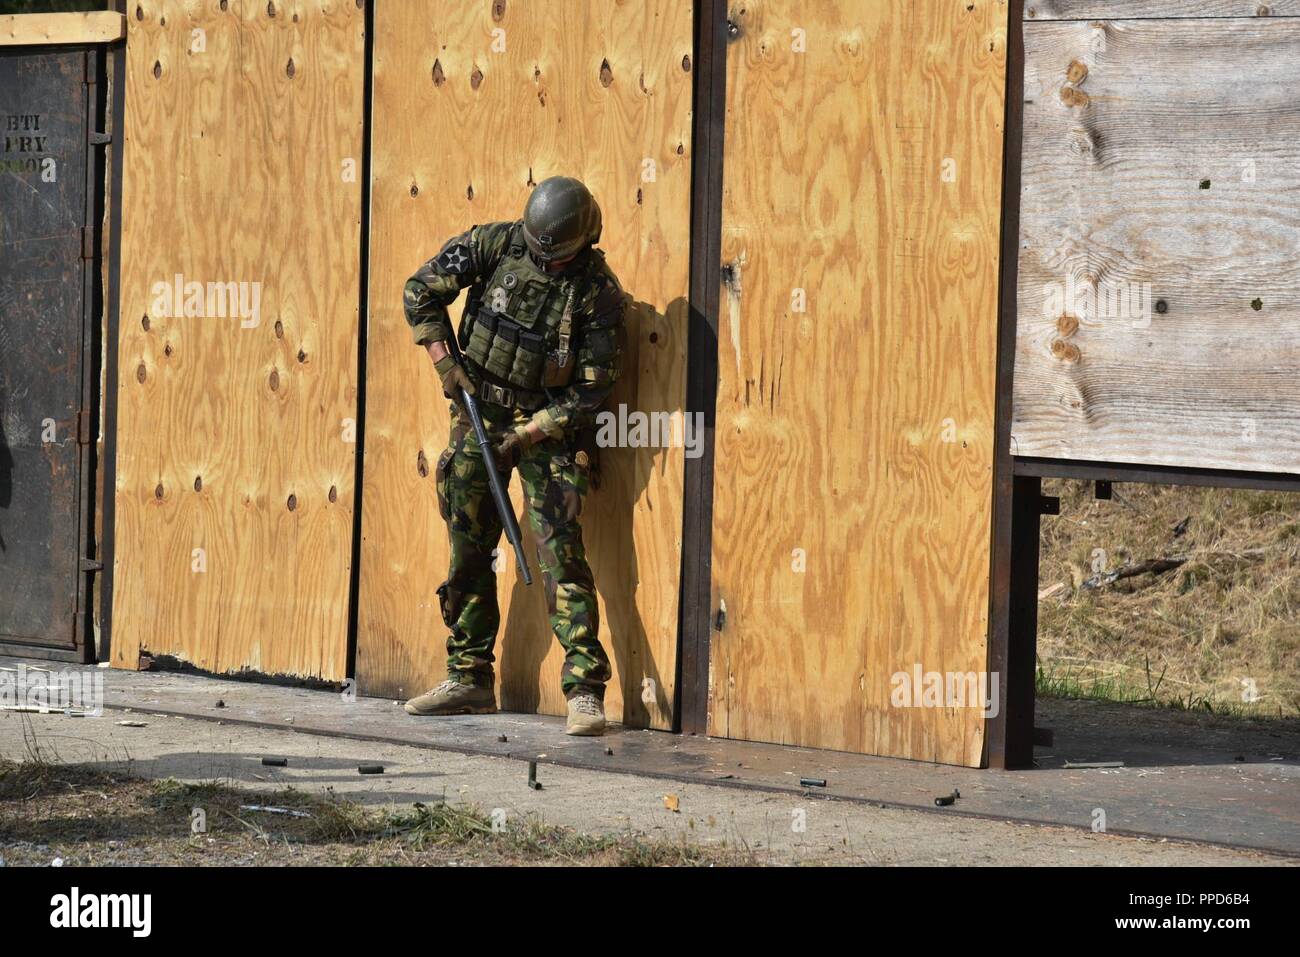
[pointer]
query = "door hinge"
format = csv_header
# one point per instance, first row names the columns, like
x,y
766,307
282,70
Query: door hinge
x,y
99,139
91,565
85,432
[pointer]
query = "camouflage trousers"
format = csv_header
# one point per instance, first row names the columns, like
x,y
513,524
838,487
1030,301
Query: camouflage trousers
x,y
554,482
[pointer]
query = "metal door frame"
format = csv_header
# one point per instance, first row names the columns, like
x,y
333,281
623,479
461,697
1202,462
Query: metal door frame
x,y
92,333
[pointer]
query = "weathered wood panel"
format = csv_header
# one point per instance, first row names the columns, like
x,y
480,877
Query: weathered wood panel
x,y
853,481
97,26
1161,170
473,103
1156,9
234,460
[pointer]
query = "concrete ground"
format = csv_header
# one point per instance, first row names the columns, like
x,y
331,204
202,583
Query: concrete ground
x,y
777,828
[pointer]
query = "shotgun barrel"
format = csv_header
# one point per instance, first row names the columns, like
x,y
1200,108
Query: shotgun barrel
x,y
498,487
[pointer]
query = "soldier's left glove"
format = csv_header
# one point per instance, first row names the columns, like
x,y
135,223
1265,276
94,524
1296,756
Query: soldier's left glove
x,y
511,449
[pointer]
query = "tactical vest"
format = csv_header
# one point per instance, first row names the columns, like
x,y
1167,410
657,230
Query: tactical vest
x,y
521,320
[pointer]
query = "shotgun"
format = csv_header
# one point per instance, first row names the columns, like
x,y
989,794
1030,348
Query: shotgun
x,y
498,487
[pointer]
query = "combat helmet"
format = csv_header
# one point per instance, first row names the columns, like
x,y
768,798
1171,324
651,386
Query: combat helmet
x,y
561,218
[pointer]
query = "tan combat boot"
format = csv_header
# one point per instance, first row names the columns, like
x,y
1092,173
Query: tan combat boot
x,y
454,697
586,714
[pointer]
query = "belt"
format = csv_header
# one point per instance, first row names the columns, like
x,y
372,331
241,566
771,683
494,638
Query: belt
x,y
508,397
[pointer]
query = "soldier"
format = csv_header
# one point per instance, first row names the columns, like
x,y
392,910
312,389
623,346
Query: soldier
x,y
541,336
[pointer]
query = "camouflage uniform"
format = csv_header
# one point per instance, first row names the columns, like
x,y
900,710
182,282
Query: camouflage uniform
x,y
555,472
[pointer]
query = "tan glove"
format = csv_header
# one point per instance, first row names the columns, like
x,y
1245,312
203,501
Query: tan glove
x,y
454,378
511,448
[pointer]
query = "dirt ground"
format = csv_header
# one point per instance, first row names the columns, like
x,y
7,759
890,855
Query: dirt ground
x,y
90,791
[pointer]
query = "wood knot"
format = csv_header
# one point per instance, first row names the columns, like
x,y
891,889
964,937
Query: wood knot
x,y
606,74
439,78
1072,97
1065,351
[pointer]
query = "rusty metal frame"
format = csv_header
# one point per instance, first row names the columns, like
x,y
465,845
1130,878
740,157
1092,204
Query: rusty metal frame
x,y
691,713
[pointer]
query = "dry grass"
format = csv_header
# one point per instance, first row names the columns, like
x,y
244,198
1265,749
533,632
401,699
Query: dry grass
x,y
1198,636
103,818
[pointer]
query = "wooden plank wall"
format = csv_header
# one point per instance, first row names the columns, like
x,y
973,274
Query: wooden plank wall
x,y
1156,9
242,155
853,483
1161,170
473,103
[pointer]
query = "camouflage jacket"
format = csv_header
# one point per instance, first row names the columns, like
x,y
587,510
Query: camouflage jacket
x,y
598,314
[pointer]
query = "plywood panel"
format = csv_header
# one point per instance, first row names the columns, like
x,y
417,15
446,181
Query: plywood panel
x,y
855,435
1156,9
473,103
243,131
1161,171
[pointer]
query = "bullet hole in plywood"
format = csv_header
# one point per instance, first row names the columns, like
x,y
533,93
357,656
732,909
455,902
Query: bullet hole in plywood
x,y
475,78
606,74
292,503
422,464
439,78
1257,304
